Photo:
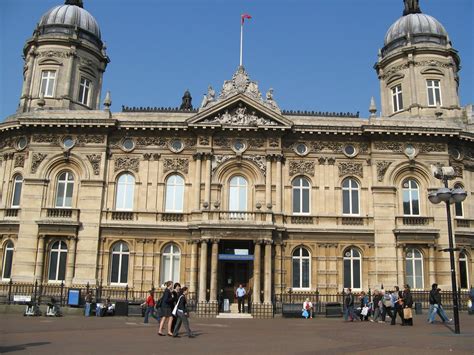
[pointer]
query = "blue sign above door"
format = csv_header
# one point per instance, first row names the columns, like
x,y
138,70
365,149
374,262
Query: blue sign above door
x,y
235,257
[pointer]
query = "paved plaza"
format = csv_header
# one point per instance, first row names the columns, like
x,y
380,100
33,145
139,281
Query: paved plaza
x,y
121,335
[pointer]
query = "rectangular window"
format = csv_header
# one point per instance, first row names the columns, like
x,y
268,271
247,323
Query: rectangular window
x,y
434,92
48,78
305,268
347,274
397,98
16,194
458,209
296,273
463,274
53,262
114,277
84,89
124,270
7,264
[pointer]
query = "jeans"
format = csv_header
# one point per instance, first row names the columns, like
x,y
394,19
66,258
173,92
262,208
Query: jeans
x,y
241,303
377,314
88,309
386,311
435,308
149,311
349,312
182,319
397,310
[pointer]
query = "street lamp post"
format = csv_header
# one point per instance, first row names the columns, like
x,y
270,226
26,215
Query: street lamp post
x,y
449,196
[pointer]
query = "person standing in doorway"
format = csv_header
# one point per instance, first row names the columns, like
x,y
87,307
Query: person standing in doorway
x,y
240,294
88,303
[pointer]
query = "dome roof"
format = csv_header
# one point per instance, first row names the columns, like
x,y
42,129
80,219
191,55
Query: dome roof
x,y
413,25
70,16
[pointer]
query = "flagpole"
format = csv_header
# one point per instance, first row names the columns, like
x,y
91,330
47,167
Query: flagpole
x,y
241,39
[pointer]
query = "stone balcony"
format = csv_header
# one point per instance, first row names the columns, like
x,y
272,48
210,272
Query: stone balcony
x,y
329,221
59,216
9,213
415,228
143,218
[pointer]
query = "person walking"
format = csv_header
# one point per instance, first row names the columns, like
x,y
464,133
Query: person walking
x,y
435,305
150,305
88,304
174,299
349,306
407,306
182,314
397,300
240,293
165,307
364,306
377,307
387,305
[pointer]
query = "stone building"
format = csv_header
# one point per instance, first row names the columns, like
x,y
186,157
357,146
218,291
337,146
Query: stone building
x,y
237,191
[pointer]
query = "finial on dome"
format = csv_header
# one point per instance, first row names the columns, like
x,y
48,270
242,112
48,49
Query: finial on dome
x,y
411,7
186,102
74,2
372,108
107,101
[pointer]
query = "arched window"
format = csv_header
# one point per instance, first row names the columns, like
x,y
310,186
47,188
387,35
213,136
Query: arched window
x,y
170,264
464,270
350,197
411,198
119,263
458,206
352,269
174,194
7,261
414,268
125,192
57,261
238,194
16,194
301,264
64,190
301,189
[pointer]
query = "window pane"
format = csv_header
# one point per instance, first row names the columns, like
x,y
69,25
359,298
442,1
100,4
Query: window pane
x,y
243,198
62,266
69,188
179,198
400,101
305,272
166,275
458,209
347,273
355,201
305,201
345,202
120,197
60,195
169,198
53,264
415,203
296,273
296,201
7,265
124,269
431,101
304,252
406,202
129,197
463,274
175,276
409,272
356,271
17,194
115,268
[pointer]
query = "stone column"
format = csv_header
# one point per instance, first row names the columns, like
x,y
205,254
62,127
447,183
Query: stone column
x,y
203,271
39,259
256,272
197,181
71,260
207,187
267,296
101,266
268,181
277,285
432,265
279,184
214,261
400,269
26,92
67,87
194,259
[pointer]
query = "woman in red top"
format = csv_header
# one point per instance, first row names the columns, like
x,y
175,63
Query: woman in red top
x,y
150,306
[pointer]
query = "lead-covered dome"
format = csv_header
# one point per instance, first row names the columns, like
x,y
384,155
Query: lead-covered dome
x,y
65,18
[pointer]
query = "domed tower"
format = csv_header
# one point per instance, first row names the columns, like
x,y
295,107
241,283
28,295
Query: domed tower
x,y
418,68
64,61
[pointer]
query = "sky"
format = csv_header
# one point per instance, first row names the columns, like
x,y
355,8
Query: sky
x,y
315,54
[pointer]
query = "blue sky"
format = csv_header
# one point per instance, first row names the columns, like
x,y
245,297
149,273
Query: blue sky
x,y
317,55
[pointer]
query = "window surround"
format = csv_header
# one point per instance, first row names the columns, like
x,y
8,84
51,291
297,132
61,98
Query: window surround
x,y
8,247
397,98
351,258
433,87
123,249
413,258
17,182
349,189
300,257
48,82
300,189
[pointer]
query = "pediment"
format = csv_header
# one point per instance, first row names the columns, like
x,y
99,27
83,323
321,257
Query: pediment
x,y
240,111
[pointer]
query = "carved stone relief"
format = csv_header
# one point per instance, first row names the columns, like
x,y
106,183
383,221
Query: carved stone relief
x,y
53,54
382,167
156,141
19,161
88,138
395,69
350,168
274,142
178,164
204,140
258,160
46,138
222,142
240,116
393,146
36,161
126,163
256,142
432,147
458,170
301,167
95,159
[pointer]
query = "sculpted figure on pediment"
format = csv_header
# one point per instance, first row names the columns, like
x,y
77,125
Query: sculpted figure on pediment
x,y
240,117
19,161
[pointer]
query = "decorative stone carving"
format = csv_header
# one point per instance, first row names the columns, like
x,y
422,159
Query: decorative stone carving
x,y
239,116
147,156
220,159
350,168
432,147
89,138
7,142
331,161
95,159
53,54
395,69
258,160
458,170
156,141
393,146
382,167
189,142
19,161
178,164
433,63
301,167
274,142
209,97
256,142
335,147
204,140
222,142
36,161
156,156
126,163
46,138
321,160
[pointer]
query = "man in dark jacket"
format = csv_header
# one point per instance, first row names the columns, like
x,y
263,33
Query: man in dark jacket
x,y
398,306
349,306
407,306
182,314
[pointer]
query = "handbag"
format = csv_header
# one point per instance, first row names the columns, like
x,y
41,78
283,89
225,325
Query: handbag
x,y
407,313
305,313
175,309
365,311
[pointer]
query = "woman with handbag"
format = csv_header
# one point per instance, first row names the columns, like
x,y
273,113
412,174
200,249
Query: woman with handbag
x,y
166,315
364,307
407,306
181,312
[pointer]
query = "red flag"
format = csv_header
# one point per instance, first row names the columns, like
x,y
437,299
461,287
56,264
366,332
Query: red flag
x,y
245,16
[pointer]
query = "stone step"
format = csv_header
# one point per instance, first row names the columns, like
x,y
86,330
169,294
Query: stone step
x,y
235,315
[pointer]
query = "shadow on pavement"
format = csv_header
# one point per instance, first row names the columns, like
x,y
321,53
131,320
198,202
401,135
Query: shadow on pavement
x,y
8,349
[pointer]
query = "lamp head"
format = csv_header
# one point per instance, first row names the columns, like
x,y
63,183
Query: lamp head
x,y
459,195
444,194
442,172
433,197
